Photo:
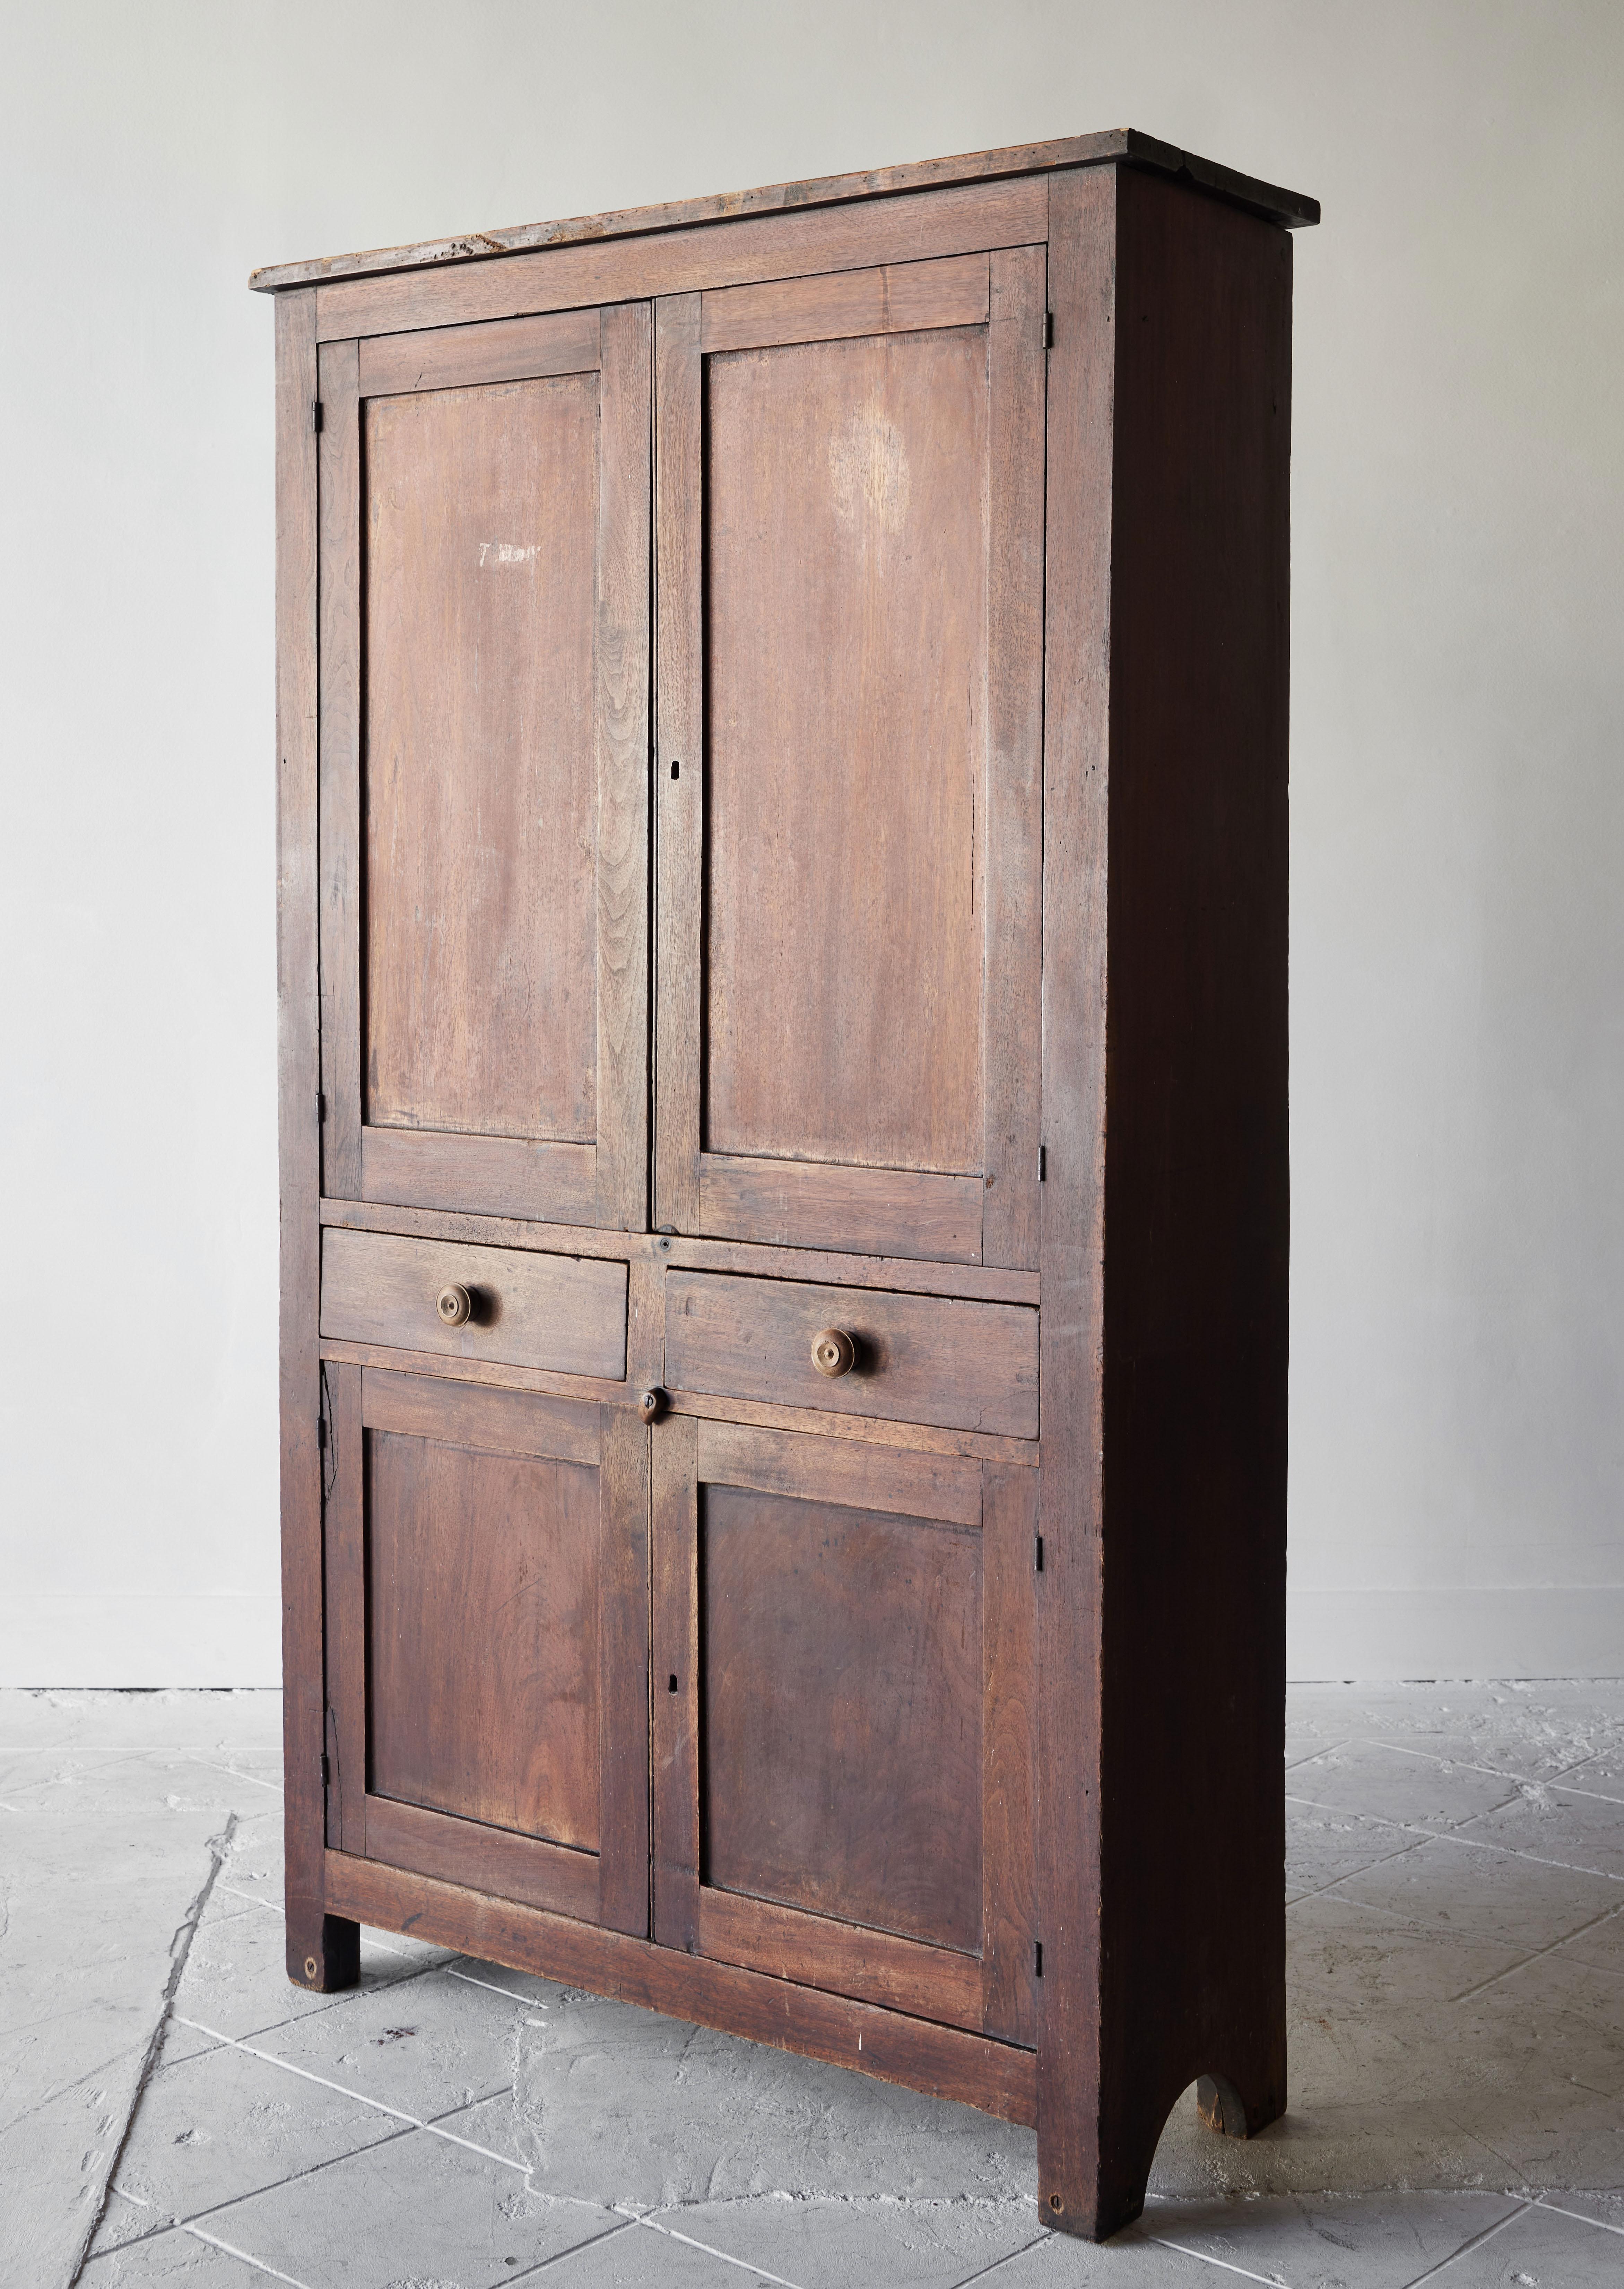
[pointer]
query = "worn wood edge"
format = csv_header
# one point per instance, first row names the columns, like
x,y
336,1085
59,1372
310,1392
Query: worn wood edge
x,y
883,1967
908,1482
903,1275
494,1374
1293,209
558,1877
945,2062
872,1430
436,1408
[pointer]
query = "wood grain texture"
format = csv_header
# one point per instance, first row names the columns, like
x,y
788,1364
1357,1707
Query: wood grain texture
x,y
864,1430
558,1311
991,1285
483,1636
1077,756
846,547
679,769
486,1175
484,1374
830,1471
342,733
842,1757
1009,1755
945,2062
626,415
312,1934
1289,208
623,1699
804,1204
488,1859
451,357
904,229
346,1592
497,1422
1197,1183
903,298
931,1982
1012,1015
674,1688
481,797
969,1366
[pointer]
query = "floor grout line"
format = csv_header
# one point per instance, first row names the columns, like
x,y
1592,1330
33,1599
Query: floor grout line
x,y
1601,2225
1009,2258
1538,1956
1455,1836
562,2256
1270,2280
1490,1772
744,2263
1476,2242
258,2263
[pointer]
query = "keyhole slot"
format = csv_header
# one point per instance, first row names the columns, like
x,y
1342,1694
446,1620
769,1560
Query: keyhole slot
x,y
672,1686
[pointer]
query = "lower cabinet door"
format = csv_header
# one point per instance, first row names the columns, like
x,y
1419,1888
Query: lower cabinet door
x,y
845,1643
487,1591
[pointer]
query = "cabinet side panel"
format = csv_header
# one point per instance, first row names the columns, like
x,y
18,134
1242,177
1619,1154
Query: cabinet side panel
x,y
1197,1206
311,1936
1082,230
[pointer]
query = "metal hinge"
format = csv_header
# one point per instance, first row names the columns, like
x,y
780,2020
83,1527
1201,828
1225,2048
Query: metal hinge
x,y
1037,1958
326,1769
321,1107
1048,330
1038,1554
315,414
320,1430
1042,1164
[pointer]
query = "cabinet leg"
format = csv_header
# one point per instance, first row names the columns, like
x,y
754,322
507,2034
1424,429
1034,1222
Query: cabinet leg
x,y
324,1952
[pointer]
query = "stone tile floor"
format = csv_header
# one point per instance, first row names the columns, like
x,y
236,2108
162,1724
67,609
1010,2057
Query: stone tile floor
x,y
172,2112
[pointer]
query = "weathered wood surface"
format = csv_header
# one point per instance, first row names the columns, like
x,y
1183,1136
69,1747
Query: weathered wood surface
x,y
1289,208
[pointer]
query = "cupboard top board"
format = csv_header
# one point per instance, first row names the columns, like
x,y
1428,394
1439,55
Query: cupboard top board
x,y
1293,209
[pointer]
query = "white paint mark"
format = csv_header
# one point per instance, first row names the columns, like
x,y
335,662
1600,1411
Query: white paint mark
x,y
868,468
507,552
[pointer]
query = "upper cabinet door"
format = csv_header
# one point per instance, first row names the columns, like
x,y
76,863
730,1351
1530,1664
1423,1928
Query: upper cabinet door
x,y
849,584
484,767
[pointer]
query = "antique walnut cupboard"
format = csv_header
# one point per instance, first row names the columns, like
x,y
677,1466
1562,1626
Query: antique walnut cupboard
x,y
782,721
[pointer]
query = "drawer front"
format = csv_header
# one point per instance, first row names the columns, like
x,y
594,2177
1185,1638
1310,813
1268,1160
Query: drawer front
x,y
917,1358
564,1312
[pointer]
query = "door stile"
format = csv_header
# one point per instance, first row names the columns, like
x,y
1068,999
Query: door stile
x,y
676,1684
626,1497
679,766
625,395
1009,1904
345,1568
339,829
1013,1015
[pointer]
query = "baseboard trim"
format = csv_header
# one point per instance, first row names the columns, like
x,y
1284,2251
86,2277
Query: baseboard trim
x,y
141,1640
1388,1636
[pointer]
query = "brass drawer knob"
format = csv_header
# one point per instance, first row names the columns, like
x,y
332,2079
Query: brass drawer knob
x,y
455,1305
834,1352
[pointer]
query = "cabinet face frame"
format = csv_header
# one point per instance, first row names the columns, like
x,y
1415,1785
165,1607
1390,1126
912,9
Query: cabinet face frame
x,y
989,1215
602,1182
607,1885
991,1990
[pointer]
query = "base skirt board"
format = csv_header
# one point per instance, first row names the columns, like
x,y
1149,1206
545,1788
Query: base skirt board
x,y
943,2061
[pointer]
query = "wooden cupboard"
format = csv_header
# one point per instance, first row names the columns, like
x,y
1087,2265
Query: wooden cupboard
x,y
781,734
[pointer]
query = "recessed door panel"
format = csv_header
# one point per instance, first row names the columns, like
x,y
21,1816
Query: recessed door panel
x,y
850,517
846,537
481,776
842,1712
482,1635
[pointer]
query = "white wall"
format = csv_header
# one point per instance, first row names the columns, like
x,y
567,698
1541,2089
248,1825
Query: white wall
x,y
1457,954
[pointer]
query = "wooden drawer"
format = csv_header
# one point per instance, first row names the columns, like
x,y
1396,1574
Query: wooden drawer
x,y
919,1359
565,1312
